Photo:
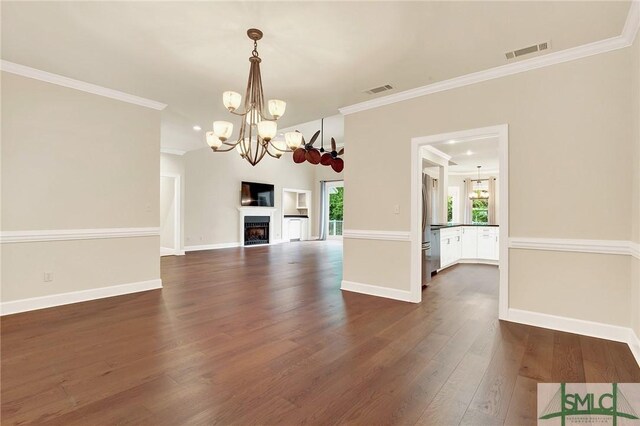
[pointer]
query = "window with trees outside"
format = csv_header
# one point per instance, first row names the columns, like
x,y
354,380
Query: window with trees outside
x,y
480,210
480,206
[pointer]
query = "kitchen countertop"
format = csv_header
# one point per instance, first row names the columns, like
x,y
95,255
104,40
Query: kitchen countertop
x,y
454,225
303,216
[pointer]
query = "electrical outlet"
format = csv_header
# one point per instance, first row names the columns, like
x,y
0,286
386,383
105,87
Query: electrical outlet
x,y
48,277
396,209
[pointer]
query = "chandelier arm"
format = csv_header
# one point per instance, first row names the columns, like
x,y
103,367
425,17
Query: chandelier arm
x,y
224,150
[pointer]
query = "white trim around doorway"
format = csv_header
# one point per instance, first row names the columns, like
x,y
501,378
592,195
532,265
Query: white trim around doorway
x,y
502,133
177,249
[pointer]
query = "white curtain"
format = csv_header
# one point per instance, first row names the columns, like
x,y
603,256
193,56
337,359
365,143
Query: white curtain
x,y
323,210
492,201
468,188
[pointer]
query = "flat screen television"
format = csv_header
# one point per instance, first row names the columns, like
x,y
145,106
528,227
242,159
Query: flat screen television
x,y
256,194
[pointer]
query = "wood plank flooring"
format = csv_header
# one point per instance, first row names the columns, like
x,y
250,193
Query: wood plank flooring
x,y
264,336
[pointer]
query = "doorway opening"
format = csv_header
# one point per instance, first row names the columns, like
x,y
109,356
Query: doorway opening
x,y
461,208
170,221
334,213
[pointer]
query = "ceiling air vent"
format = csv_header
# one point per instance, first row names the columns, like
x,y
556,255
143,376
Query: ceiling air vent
x,y
529,49
379,89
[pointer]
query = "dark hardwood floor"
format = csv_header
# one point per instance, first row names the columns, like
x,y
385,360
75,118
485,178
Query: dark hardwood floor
x,y
264,336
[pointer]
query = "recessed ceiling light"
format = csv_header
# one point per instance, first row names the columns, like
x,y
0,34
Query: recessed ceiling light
x,y
469,152
452,141
197,128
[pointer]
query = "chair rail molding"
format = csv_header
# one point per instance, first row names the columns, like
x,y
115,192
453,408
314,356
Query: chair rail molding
x,y
7,237
625,39
362,234
619,247
83,86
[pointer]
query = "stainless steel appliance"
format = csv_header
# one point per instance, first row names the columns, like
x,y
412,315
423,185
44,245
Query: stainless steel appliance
x,y
430,253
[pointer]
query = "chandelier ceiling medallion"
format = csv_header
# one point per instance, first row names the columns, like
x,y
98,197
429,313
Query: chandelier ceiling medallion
x,y
258,130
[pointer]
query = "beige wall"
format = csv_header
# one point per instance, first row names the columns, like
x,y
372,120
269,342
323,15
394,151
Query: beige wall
x,y
212,192
565,122
635,210
74,160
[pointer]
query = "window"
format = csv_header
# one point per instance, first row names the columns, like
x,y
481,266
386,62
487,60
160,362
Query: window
x,y
453,204
480,206
449,208
480,210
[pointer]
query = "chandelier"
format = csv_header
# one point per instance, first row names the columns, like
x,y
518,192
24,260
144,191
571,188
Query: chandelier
x,y
257,135
478,193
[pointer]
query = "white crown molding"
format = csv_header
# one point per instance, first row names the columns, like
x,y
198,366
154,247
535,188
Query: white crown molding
x,y
32,304
635,249
436,151
60,80
362,234
7,237
577,326
579,246
172,151
374,290
626,39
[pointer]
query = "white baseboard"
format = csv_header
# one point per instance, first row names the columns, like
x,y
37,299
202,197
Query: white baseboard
x,y
578,326
32,304
211,246
374,290
480,261
165,251
229,245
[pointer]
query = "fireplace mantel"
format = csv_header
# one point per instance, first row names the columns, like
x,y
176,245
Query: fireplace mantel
x,y
255,211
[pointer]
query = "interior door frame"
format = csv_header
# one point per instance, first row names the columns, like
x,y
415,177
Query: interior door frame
x,y
328,185
177,206
502,133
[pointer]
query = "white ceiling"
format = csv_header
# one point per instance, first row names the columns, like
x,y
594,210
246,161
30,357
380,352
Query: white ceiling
x,y
469,154
318,56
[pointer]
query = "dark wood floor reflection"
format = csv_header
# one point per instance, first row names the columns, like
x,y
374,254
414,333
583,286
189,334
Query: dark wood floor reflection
x,y
264,335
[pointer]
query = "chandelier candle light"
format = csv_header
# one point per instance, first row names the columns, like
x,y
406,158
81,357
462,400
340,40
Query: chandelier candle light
x,y
257,130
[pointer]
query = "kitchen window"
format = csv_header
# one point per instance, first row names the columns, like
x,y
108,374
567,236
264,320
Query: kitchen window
x,y
480,205
480,210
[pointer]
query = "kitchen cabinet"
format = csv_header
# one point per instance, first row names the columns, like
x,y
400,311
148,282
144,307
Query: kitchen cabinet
x,y
450,246
295,229
488,243
469,242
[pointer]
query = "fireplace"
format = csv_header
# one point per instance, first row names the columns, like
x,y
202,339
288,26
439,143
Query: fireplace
x,y
256,230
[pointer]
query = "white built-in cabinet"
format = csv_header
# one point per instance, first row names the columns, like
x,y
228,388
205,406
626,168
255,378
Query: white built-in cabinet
x,y
295,229
469,244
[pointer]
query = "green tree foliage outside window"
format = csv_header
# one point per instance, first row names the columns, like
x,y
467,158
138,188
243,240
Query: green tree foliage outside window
x,y
480,210
335,203
450,209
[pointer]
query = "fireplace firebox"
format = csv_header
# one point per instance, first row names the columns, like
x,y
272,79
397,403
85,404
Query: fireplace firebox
x,y
256,230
